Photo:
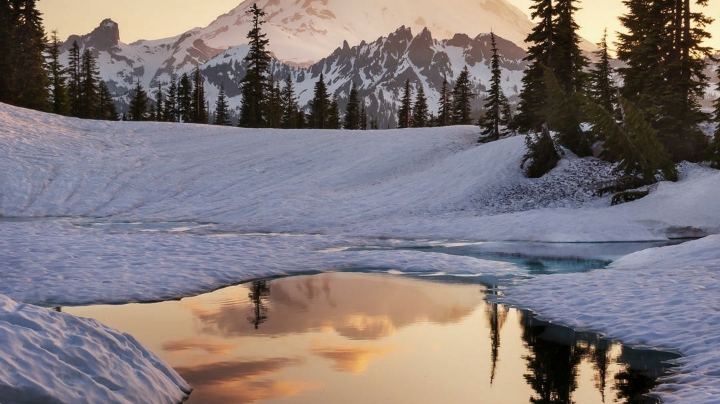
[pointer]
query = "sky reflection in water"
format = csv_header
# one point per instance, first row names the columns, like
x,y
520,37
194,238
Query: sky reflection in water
x,y
369,338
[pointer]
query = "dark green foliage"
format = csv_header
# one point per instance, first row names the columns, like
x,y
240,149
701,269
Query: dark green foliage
x,y
712,153
138,103
273,105
159,104
564,114
405,111
290,117
74,68
494,124
664,77
254,85
602,90
352,111
171,106
106,109
27,79
542,154
59,99
633,143
363,117
184,99
88,99
445,110
198,110
334,114
462,99
420,116
222,111
6,55
320,106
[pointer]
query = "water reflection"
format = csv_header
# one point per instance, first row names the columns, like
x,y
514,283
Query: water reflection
x,y
359,338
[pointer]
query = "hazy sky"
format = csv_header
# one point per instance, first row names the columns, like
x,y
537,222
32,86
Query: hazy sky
x,y
155,19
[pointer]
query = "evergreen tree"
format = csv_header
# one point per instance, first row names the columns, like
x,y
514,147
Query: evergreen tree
x,y
445,110
420,109
29,80
222,110
160,104
290,106
542,153
274,105
492,123
88,99
334,114
363,116
320,106
8,50
253,85
171,108
462,99
74,67
405,111
138,103
665,75
184,99
58,86
712,153
106,104
602,91
352,111
197,103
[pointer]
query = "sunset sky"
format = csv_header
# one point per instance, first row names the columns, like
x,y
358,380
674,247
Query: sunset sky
x,y
142,19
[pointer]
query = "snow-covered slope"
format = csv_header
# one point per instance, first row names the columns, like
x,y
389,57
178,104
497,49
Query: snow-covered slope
x,y
119,211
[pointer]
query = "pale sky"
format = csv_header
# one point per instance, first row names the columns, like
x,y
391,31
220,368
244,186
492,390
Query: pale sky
x,y
156,19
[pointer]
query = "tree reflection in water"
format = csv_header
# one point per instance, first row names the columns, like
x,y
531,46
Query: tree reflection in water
x,y
496,316
259,294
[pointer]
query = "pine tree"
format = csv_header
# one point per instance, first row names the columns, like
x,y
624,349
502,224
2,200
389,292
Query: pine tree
x,y
58,86
89,79
602,90
290,106
665,75
253,85
334,114
445,110
160,104
363,116
106,105
492,122
8,50
274,105
462,99
138,103
222,111
405,111
712,153
171,108
352,111
541,155
29,81
320,106
197,103
74,67
184,99
420,109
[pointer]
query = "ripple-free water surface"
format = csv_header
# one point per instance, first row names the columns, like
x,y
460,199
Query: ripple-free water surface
x,y
372,338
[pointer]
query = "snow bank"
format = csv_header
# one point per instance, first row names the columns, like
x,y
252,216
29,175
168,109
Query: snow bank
x,y
54,358
665,298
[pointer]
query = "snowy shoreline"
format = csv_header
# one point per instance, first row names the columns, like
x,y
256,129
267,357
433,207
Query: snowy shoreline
x,y
317,193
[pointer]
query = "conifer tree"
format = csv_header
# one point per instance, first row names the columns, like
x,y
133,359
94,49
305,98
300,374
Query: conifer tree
x,y
363,116
492,123
462,99
405,111
88,86
222,110
197,103
171,109
351,120
274,105
6,44
665,76
420,109
445,110
74,67
106,109
159,104
334,114
290,105
320,106
184,99
138,103
29,81
602,90
58,85
712,153
253,86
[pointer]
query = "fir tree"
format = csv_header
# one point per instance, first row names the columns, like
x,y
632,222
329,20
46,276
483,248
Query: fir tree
x,y
29,81
602,91
445,110
334,114
363,116
58,81
106,105
405,111
74,66
222,110
712,153
253,85
8,50
88,86
492,122
171,109
290,106
274,105
184,99
197,103
352,111
160,104
462,99
138,103
320,106
420,109
542,153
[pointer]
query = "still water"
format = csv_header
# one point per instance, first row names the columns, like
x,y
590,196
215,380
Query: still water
x,y
373,338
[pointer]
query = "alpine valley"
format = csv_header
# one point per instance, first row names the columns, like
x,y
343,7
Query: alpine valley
x,y
375,54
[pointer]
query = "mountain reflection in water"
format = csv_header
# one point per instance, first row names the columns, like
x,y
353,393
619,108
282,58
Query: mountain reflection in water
x,y
361,338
